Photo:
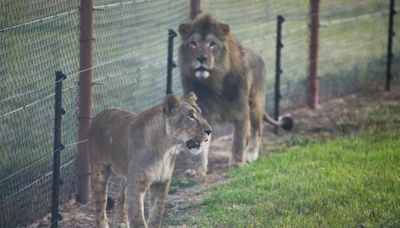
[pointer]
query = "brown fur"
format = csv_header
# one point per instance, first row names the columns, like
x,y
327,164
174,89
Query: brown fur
x,y
233,86
142,149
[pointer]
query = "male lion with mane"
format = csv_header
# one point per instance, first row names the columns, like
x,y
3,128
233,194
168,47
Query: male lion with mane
x,y
141,148
230,81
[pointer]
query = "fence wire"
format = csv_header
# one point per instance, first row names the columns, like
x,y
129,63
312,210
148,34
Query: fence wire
x,y
352,43
135,36
39,37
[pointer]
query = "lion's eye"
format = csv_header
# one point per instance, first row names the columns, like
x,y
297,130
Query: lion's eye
x,y
193,43
212,43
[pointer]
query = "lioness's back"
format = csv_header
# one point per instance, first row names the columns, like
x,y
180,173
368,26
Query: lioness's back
x,y
108,132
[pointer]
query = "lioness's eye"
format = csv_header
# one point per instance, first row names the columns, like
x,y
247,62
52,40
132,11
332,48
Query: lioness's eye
x,y
190,115
212,43
193,43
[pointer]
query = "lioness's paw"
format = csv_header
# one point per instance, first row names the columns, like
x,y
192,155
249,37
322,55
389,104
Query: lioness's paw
x,y
121,225
103,224
201,171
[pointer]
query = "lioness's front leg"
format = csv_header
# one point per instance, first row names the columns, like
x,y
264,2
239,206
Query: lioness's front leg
x,y
158,192
135,192
202,159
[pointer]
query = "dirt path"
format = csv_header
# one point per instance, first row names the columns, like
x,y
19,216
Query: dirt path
x,y
335,117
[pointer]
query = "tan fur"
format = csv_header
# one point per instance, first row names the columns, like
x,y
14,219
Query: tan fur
x,y
142,149
230,84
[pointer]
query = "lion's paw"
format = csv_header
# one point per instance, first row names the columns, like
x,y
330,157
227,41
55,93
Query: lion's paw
x,y
250,157
235,164
190,172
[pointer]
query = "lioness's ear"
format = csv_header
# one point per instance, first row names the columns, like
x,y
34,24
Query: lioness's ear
x,y
191,97
171,104
223,28
184,29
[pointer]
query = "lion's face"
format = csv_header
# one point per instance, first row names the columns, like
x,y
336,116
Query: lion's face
x,y
204,46
203,51
185,122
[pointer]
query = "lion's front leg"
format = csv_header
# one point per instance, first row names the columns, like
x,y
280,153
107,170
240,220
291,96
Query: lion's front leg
x,y
256,120
135,192
158,193
239,141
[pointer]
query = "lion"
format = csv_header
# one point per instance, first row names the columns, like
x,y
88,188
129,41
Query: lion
x,y
141,148
230,81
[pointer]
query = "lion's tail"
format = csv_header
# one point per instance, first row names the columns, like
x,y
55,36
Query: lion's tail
x,y
285,122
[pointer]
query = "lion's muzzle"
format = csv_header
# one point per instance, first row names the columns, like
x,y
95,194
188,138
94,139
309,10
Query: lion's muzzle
x,y
202,70
202,74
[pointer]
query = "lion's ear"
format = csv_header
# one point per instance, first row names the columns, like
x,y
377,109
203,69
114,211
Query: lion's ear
x,y
191,97
171,104
223,28
184,29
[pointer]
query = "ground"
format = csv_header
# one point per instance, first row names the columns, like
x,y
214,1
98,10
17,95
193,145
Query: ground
x,y
332,118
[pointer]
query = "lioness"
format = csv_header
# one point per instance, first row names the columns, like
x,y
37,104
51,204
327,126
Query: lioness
x,y
230,81
142,149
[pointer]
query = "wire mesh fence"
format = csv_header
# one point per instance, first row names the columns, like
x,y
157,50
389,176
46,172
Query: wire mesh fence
x,y
131,38
39,37
353,38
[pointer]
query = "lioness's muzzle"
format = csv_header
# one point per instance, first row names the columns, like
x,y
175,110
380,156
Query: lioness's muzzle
x,y
193,144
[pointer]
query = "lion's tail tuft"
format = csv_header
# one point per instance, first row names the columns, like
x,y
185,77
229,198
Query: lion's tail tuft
x,y
285,122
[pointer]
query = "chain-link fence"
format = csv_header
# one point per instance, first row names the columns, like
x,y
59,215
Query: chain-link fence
x,y
41,37
37,38
352,43
130,51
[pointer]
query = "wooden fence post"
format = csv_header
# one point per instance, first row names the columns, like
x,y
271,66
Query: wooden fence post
x,y
195,8
313,81
85,98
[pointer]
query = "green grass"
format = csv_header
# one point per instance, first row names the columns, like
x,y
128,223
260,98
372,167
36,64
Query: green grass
x,y
177,184
345,182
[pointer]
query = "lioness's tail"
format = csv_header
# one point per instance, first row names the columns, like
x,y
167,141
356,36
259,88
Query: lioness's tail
x,y
285,122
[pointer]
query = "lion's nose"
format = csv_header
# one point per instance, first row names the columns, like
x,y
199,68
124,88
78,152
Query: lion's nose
x,y
208,131
202,58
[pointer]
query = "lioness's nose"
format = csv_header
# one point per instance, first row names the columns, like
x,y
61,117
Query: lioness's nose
x,y
202,58
208,131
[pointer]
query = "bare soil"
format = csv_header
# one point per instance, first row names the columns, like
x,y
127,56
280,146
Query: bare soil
x,y
334,117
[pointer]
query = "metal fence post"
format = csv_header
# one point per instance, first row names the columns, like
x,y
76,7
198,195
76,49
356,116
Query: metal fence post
x,y
278,69
57,147
391,34
85,98
170,61
195,8
313,81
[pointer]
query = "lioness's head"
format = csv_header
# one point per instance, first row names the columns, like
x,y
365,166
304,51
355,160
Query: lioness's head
x,y
205,45
185,121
